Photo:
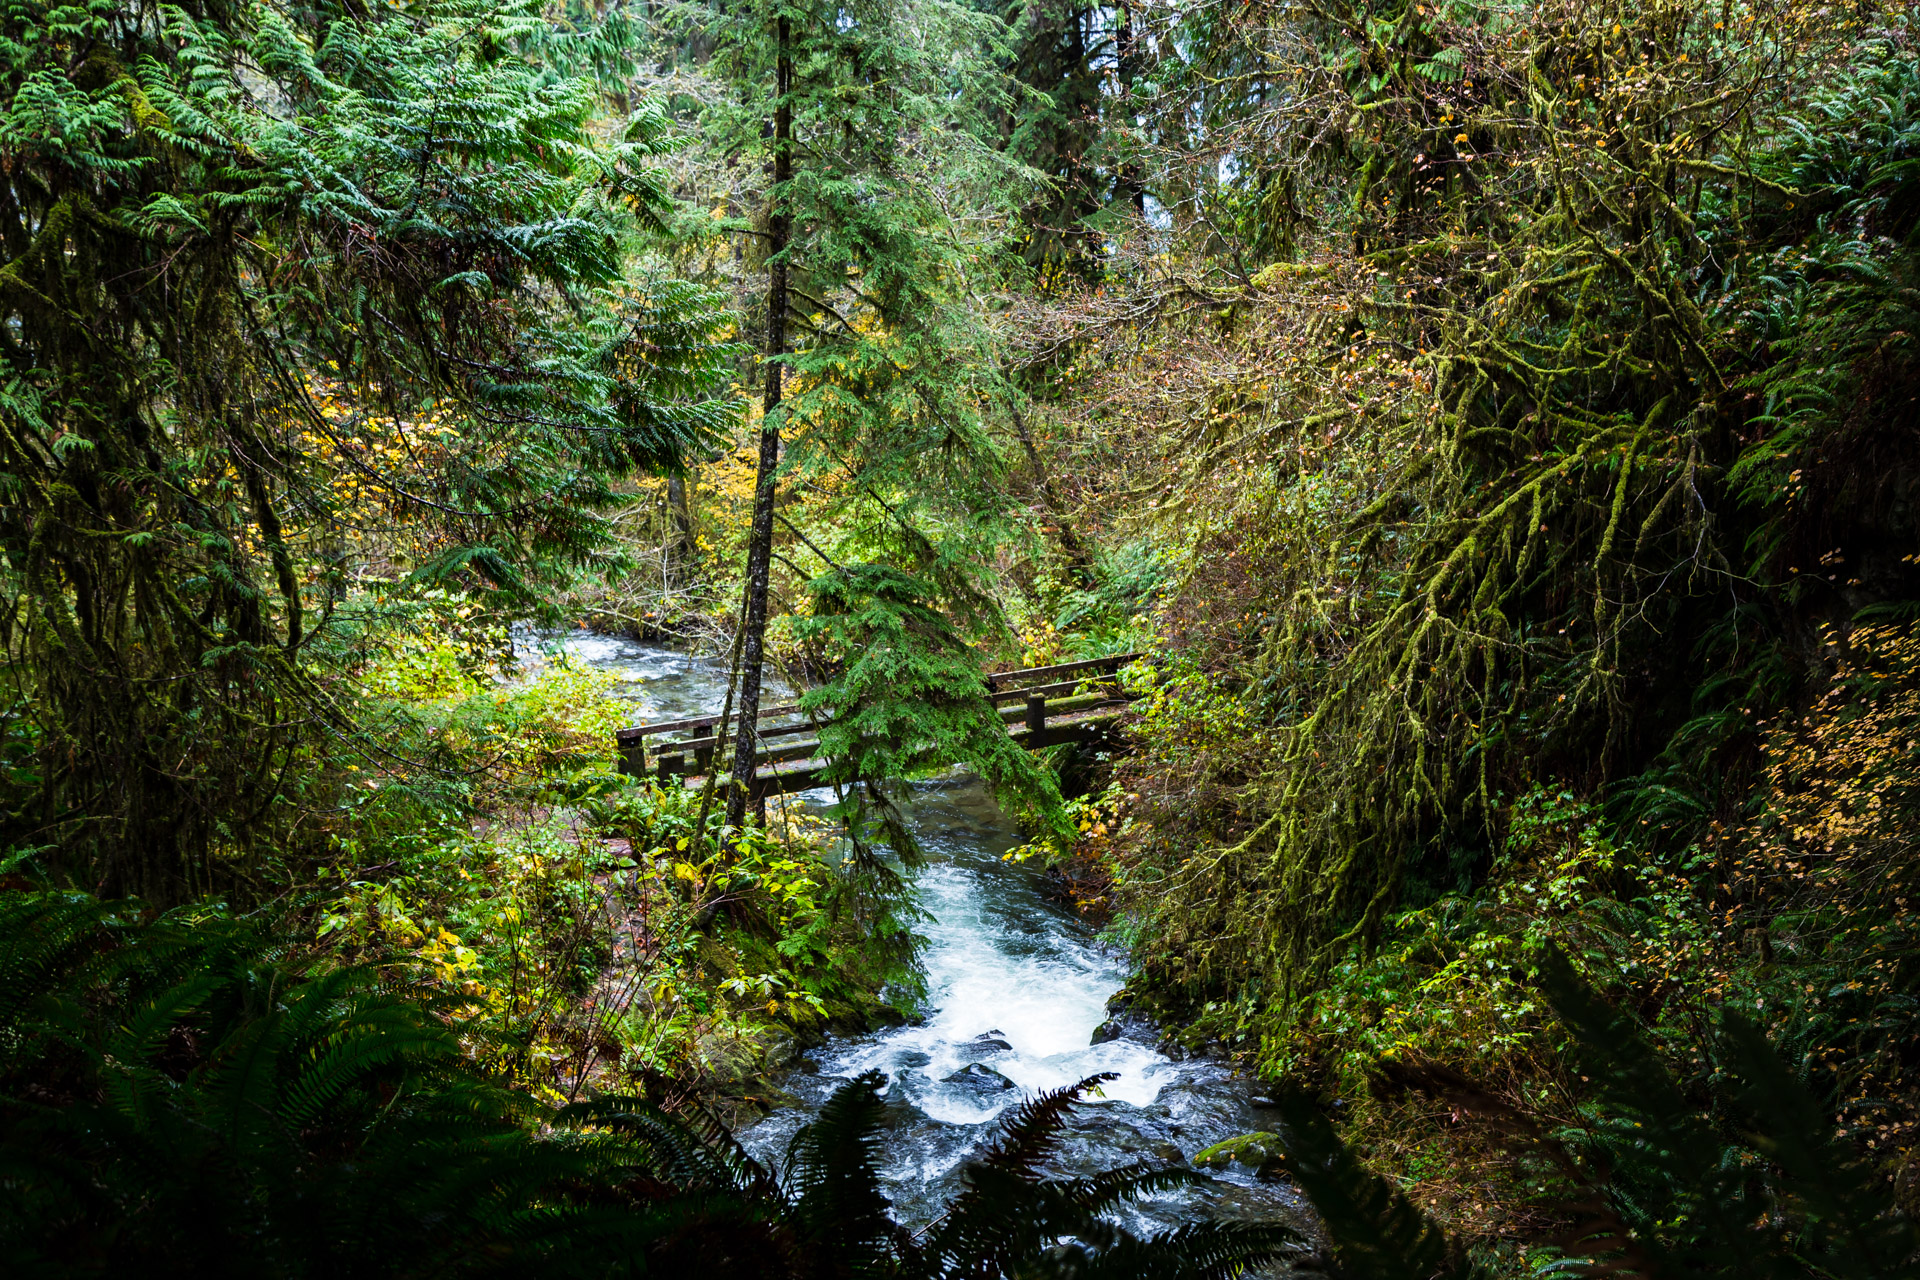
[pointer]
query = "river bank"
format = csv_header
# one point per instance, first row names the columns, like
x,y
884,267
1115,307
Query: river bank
x,y
1016,988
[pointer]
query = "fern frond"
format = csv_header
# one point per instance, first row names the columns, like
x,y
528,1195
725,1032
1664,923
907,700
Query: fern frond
x,y
832,1178
1849,1227
1194,1251
1377,1232
1662,1161
1028,1133
691,1151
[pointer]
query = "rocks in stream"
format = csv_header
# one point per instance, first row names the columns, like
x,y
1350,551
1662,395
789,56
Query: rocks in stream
x,y
1108,1030
1125,1130
985,1043
977,1077
1259,1153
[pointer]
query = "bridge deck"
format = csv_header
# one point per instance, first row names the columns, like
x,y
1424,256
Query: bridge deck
x,y
1084,711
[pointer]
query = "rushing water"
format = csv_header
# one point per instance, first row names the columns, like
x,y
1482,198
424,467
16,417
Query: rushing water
x,y
1016,986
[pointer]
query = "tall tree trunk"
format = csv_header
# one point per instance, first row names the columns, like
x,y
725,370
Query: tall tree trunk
x,y
760,540
1128,56
680,542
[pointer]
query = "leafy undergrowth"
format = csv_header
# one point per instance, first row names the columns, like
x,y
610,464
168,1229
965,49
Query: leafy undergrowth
x,y
1647,1182
608,933
178,1097
1795,916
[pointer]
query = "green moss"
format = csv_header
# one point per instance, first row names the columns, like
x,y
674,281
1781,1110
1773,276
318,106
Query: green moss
x,y
1262,1153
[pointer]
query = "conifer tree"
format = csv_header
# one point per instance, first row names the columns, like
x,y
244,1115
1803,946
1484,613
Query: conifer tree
x,y
276,274
1076,64
760,538
878,229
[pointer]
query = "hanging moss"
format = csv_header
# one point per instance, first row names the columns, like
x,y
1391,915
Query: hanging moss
x,y
1460,506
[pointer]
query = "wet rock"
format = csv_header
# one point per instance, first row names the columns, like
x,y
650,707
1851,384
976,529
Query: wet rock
x,y
1168,1152
985,1043
1095,1143
1119,1127
1258,1153
1268,1200
979,1078
899,1112
779,1048
1108,1030
912,1058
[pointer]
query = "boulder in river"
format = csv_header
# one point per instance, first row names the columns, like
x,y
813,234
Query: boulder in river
x,y
1258,1153
979,1078
1108,1030
987,1042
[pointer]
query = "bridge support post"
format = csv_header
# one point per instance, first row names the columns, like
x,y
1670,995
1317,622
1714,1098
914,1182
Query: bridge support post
x,y
1036,712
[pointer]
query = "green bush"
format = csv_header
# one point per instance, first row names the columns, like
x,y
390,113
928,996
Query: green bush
x,y
176,1098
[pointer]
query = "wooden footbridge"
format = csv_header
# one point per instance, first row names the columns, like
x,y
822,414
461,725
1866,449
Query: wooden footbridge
x,y
1066,702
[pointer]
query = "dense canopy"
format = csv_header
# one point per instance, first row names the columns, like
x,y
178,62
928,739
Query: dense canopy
x,y
1490,422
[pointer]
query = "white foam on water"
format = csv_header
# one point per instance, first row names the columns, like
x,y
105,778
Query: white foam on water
x,y
988,977
1001,959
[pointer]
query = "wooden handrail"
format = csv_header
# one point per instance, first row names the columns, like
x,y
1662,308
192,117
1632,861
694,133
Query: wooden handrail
x,y
690,757
1042,690
997,679
1000,685
639,731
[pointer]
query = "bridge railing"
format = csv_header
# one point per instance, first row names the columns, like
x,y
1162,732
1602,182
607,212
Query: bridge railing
x,y
1034,687
1061,689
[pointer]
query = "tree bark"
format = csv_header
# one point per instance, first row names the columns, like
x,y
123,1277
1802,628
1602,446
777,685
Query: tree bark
x,y
680,543
1128,56
760,538
1078,560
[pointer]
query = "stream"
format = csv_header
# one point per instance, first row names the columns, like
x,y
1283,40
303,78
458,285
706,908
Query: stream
x,y
1016,985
